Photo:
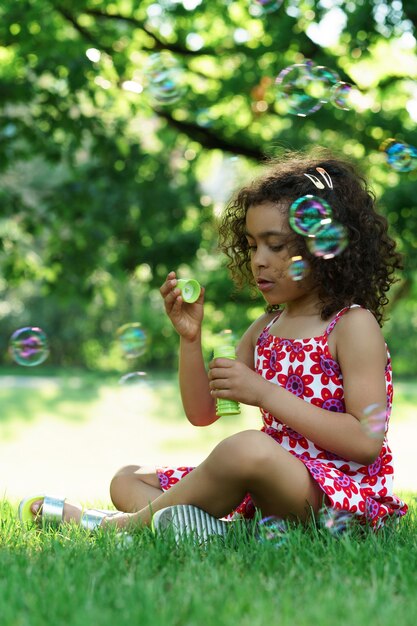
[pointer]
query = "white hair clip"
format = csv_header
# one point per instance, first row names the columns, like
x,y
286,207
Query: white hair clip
x,y
317,182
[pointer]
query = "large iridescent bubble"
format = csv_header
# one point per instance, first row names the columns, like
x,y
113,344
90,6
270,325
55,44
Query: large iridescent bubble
x,y
303,88
328,240
307,213
291,84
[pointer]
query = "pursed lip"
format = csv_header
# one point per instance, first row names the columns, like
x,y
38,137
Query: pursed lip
x,y
264,284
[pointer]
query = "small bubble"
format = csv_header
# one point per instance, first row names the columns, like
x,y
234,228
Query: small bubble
x,y
345,96
133,340
334,521
273,531
28,346
134,392
298,268
374,420
400,156
166,78
268,6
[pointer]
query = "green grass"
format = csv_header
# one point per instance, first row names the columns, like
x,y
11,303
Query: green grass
x,y
69,577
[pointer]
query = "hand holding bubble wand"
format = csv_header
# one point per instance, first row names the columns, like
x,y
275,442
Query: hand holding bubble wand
x,y
183,300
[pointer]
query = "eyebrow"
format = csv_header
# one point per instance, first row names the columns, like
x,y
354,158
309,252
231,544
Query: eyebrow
x,y
268,233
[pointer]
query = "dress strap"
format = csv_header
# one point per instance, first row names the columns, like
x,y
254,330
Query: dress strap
x,y
274,319
334,321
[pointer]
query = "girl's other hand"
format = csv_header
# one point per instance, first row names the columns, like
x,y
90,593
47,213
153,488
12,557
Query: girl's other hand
x,y
233,380
186,318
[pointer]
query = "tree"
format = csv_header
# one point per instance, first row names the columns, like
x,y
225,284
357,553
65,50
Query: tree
x,y
109,177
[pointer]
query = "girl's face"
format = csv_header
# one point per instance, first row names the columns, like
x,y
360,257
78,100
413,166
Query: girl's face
x,y
268,234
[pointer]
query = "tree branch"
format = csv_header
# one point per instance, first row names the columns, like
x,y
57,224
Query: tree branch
x,y
159,44
211,140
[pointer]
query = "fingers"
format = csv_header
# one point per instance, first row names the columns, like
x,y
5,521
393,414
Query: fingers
x,y
171,295
168,285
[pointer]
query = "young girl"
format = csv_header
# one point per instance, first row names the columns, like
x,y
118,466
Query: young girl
x,y
315,363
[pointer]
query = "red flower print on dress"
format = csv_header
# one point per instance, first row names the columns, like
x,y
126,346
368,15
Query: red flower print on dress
x,y
380,467
167,479
297,382
330,401
327,368
373,509
272,362
273,432
344,483
295,438
297,351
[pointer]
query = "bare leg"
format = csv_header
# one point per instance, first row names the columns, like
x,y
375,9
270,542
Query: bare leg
x,y
249,461
133,487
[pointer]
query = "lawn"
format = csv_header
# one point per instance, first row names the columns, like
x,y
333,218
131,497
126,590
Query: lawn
x,y
69,577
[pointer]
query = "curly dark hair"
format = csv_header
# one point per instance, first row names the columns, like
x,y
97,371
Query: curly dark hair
x,y
363,272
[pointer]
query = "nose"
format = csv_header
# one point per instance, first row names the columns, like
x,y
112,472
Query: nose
x,y
259,257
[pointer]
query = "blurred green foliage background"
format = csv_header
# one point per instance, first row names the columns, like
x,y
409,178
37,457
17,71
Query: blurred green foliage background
x,y
103,189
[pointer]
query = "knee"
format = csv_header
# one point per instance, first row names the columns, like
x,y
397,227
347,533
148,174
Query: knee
x,y
126,470
247,451
120,480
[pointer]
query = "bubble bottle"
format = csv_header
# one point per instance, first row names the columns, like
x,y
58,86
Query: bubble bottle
x,y
224,407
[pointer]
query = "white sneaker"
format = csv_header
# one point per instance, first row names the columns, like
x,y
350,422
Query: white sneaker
x,y
188,521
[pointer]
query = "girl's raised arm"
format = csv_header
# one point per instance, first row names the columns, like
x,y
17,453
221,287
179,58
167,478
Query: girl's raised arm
x,y
187,319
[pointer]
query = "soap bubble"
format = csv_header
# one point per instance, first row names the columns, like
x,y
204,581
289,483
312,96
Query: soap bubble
x,y
134,391
133,340
328,240
334,521
322,80
269,6
345,96
374,420
273,531
305,87
400,156
165,77
307,213
292,85
298,268
29,346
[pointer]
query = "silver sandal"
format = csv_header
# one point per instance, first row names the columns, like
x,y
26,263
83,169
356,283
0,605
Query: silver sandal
x,y
51,512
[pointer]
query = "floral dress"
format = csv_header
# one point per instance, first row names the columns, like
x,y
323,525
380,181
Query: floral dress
x,y
306,368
